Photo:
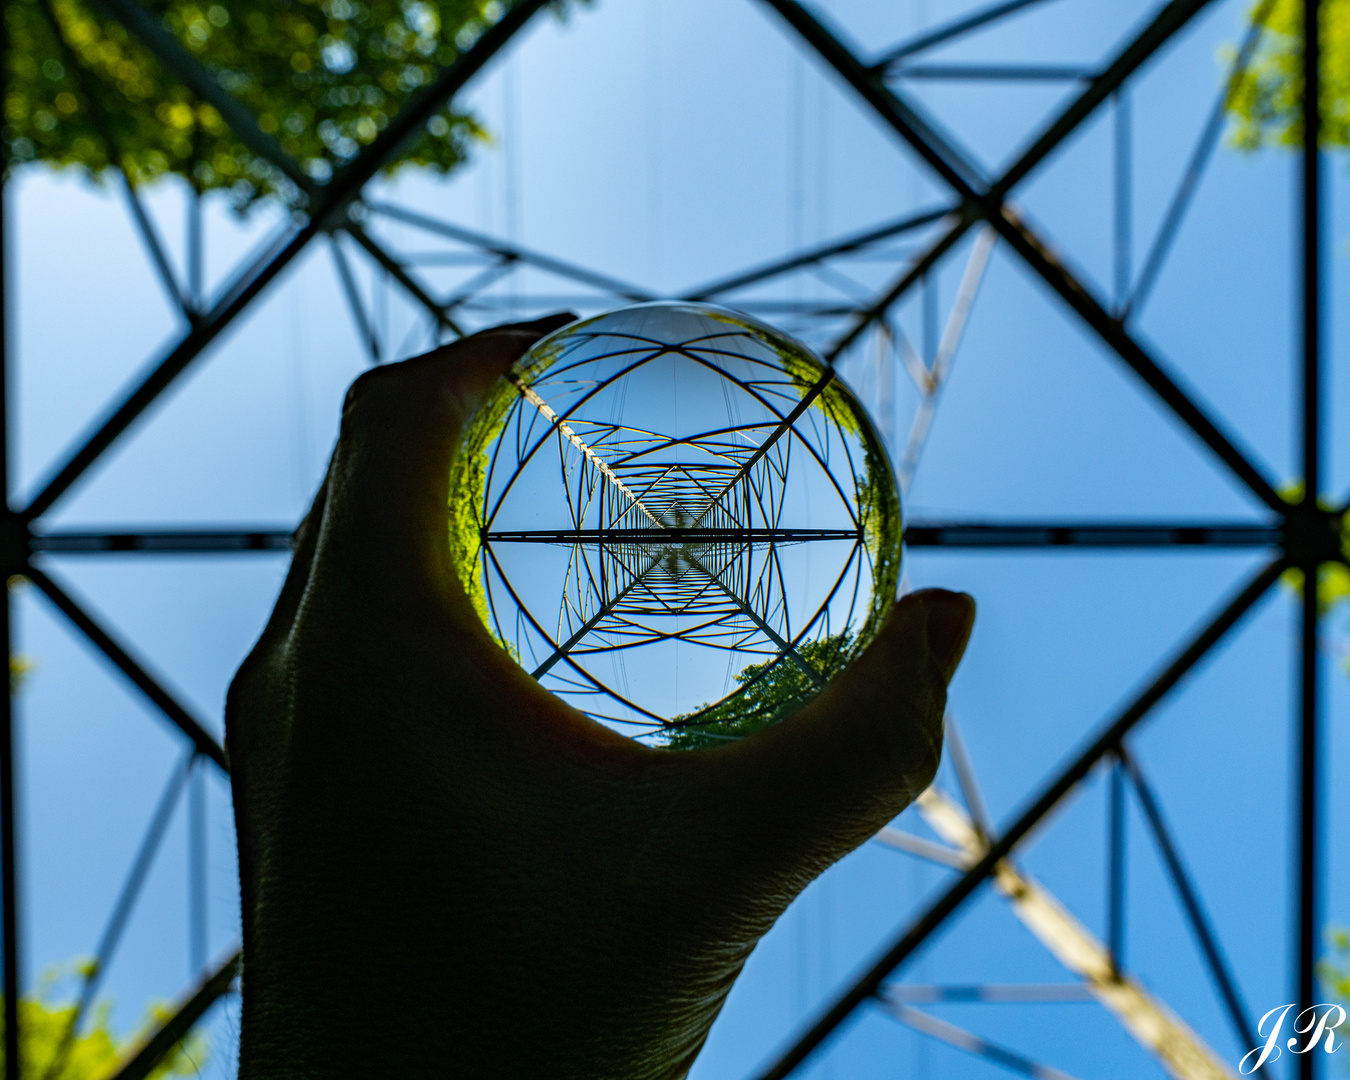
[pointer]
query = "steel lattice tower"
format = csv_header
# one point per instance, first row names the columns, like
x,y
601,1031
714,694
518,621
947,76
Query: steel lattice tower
x,y
1301,532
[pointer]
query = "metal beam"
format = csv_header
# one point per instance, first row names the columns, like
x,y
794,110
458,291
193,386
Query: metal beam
x,y
915,272
1307,752
1107,738
153,1050
924,849
399,273
842,246
352,292
997,73
979,535
964,177
784,646
515,252
952,30
345,186
162,541
131,668
1190,902
112,933
972,1044
935,376
1119,535
1147,1020
590,624
672,535
1195,166
197,77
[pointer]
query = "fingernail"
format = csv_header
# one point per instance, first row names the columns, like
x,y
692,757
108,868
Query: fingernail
x,y
950,618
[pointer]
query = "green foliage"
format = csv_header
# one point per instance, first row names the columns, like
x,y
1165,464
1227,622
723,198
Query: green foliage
x,y
97,1051
769,691
1334,969
878,501
468,483
468,487
879,515
1333,580
1266,104
20,667
323,77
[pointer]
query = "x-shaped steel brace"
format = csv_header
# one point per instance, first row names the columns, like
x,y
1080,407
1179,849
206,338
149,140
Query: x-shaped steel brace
x,y
981,200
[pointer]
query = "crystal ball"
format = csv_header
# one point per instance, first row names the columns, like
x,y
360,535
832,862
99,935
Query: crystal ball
x,y
678,519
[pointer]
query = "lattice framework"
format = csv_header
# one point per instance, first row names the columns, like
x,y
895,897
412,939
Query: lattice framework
x,y
1300,533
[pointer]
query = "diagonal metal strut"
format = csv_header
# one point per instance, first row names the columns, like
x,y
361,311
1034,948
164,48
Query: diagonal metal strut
x,y
1107,738
989,202
345,186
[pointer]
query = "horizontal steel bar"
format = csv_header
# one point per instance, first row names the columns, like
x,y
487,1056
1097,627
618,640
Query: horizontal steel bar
x,y
996,72
163,541
1043,992
493,303
672,535
952,534
1092,534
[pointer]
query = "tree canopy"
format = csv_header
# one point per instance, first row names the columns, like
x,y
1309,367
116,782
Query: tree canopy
x,y
769,691
96,1052
1266,103
322,77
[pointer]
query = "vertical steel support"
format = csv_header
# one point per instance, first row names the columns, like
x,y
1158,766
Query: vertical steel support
x,y
196,254
9,933
1115,868
1307,790
930,317
1123,211
198,940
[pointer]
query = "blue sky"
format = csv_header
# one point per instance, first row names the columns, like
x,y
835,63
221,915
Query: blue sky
x,y
668,144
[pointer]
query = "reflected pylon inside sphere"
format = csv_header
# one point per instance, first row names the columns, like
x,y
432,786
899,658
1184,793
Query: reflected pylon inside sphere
x,y
678,520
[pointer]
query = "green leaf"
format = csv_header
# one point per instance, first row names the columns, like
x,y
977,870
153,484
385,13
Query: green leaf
x,y
323,77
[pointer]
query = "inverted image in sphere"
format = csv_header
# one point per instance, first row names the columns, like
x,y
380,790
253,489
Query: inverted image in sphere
x,y
678,520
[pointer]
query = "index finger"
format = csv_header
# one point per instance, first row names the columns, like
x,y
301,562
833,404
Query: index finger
x,y
384,527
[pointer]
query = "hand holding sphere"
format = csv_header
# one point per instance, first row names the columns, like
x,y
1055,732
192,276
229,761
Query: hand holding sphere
x,y
445,868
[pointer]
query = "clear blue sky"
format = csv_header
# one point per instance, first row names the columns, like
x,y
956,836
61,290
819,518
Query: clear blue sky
x,y
669,143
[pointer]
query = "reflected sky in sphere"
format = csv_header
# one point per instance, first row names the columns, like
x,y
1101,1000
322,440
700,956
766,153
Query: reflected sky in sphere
x,y
676,519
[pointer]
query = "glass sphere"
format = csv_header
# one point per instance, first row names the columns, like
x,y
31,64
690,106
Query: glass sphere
x,y
678,520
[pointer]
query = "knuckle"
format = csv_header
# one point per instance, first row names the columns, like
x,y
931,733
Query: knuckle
x,y
369,396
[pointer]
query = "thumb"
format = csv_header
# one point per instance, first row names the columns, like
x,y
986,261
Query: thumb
x,y
824,780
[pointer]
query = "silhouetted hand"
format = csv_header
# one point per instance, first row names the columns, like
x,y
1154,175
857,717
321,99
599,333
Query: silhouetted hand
x,y
446,870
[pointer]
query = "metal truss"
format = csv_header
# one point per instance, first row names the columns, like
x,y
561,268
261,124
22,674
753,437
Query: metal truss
x,y
1299,533
672,536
